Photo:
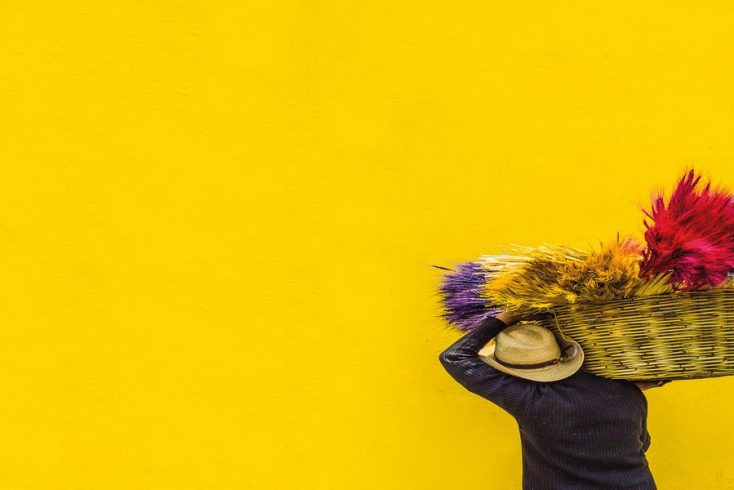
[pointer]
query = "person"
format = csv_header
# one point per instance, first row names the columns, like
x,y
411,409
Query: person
x,y
577,430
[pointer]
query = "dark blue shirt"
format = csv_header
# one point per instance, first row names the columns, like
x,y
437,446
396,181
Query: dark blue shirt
x,y
582,432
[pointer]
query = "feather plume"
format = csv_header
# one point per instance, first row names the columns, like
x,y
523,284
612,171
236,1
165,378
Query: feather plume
x,y
691,237
464,305
555,275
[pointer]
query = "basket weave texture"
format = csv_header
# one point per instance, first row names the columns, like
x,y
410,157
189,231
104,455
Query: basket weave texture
x,y
681,335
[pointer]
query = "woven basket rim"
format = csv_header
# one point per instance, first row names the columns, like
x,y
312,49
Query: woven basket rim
x,y
671,296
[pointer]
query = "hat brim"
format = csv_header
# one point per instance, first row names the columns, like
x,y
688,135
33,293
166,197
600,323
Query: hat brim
x,y
554,372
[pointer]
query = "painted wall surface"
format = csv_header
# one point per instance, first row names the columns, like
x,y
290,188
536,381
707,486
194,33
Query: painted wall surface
x,y
218,219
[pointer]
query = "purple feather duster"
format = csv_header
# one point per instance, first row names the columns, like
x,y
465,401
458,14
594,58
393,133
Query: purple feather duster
x,y
464,304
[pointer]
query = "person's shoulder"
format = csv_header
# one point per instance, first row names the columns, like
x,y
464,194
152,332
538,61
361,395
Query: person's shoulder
x,y
580,379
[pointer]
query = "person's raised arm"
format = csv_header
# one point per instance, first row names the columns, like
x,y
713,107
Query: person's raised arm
x,y
461,360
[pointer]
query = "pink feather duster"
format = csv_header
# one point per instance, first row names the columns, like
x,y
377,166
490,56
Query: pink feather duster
x,y
692,236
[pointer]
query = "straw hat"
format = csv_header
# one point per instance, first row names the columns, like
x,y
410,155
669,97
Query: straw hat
x,y
529,351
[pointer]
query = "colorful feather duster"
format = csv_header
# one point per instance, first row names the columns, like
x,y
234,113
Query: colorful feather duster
x,y
689,246
533,280
462,291
692,236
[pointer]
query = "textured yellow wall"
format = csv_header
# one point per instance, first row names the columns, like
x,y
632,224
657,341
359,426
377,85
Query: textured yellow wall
x,y
217,221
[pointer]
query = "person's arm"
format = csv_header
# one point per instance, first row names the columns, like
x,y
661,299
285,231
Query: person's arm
x,y
461,360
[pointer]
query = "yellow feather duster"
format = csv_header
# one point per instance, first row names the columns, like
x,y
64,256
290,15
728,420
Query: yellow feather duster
x,y
539,278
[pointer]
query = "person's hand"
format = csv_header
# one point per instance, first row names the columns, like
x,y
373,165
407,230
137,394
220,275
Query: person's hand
x,y
646,385
509,318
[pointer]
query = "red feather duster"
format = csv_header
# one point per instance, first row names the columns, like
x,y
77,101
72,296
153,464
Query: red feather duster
x,y
692,236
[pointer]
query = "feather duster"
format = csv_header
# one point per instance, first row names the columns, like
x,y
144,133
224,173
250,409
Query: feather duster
x,y
462,298
556,275
464,302
692,236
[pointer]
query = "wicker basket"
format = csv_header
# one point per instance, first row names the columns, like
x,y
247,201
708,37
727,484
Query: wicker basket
x,y
682,335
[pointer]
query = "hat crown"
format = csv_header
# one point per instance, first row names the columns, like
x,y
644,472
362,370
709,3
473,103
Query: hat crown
x,y
526,344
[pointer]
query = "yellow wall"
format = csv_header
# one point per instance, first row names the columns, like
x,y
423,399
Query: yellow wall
x,y
218,219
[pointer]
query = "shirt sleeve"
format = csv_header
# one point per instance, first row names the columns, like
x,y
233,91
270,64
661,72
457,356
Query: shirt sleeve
x,y
461,360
